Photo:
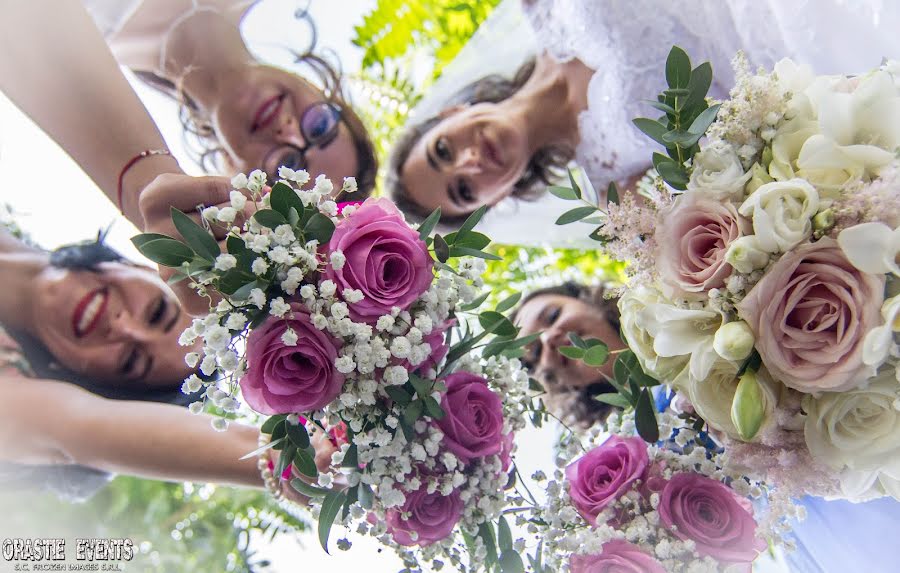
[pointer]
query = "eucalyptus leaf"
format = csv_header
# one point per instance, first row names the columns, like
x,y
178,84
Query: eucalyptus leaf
x,y
577,340
429,224
613,399
261,449
574,184
243,292
285,459
269,218
645,418
283,197
269,425
331,505
486,533
576,214
596,355
704,120
471,221
167,252
660,106
196,237
467,252
308,490
678,68
413,412
319,227
434,409
306,463
572,352
652,129
504,534
477,302
612,193
701,80
471,240
235,245
496,323
398,395
565,193
298,435
441,249
511,562
508,302
143,238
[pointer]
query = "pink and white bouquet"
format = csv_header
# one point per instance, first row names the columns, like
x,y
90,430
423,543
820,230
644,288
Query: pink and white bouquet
x,y
618,503
763,269
342,320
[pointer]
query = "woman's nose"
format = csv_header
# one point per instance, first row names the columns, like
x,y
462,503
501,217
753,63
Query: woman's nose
x,y
551,340
286,129
468,158
125,327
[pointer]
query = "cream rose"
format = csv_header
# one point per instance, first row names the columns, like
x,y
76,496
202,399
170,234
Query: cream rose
x,y
717,171
782,213
811,313
639,340
858,429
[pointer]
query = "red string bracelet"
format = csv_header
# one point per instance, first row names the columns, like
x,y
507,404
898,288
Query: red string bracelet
x,y
131,163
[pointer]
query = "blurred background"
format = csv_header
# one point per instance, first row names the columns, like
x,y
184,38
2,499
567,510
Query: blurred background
x,y
392,51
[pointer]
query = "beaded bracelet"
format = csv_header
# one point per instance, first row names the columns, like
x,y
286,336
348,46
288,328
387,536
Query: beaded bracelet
x,y
273,484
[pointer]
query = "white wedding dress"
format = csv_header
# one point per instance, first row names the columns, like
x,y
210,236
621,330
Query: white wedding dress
x,y
627,42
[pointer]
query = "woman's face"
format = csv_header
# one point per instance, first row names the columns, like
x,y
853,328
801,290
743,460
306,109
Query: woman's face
x,y
556,316
472,157
259,125
119,326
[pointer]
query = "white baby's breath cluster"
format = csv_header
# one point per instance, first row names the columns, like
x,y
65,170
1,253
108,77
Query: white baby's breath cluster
x,y
634,517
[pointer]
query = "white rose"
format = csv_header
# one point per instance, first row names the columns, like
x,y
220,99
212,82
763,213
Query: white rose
x,y
639,340
746,255
717,170
859,486
782,213
858,429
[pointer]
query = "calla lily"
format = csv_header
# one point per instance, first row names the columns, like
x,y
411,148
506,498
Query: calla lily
x,y
872,247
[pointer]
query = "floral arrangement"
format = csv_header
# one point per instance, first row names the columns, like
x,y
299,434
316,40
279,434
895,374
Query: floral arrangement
x,y
617,503
346,320
763,276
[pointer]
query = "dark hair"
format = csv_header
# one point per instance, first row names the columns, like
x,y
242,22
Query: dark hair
x,y
544,166
577,405
88,256
203,144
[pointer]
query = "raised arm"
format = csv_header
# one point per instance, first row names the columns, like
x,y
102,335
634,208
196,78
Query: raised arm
x,y
50,422
56,67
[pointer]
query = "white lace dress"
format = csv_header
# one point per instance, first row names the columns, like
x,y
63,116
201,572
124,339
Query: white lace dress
x,y
627,41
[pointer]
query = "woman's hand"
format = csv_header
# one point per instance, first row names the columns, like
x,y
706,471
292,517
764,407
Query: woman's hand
x,y
187,193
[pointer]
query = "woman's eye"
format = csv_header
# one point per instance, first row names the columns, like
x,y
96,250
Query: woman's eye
x,y
130,362
441,149
553,316
159,311
465,192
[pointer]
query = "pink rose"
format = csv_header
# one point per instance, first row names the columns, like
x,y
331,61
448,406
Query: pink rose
x,y
810,314
710,514
617,556
431,516
473,417
693,238
385,259
506,450
284,379
603,474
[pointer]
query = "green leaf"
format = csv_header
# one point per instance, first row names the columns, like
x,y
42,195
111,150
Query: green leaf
x,y
536,561
235,245
467,252
652,129
471,221
285,459
283,197
673,174
701,80
678,68
331,505
576,214
422,387
496,323
167,252
434,409
511,562
659,158
572,352
508,302
681,138
413,412
298,435
441,249
243,293
308,490
504,535
472,240
577,340
613,399
596,355
269,425
196,237
660,106
703,121
477,302
141,239
319,228
486,533
269,218
645,418
566,193
574,184
612,193
261,449
351,457
429,224
631,363
306,463
398,395
366,495
231,280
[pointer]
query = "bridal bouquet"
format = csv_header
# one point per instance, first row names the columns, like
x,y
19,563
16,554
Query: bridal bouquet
x,y
763,269
620,504
342,320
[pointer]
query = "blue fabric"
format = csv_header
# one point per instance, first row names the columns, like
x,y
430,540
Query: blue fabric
x,y
845,537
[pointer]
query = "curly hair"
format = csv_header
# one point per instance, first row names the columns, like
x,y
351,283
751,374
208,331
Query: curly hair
x,y
547,164
576,405
201,140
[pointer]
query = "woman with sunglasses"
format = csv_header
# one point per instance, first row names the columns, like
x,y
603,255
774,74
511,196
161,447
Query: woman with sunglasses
x,y
243,114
